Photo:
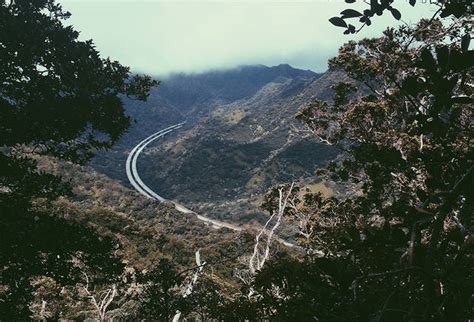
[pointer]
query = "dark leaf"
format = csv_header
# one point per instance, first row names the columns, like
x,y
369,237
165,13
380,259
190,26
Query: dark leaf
x,y
459,61
395,13
466,39
442,53
337,21
351,13
427,60
412,2
350,1
411,85
456,9
462,100
469,59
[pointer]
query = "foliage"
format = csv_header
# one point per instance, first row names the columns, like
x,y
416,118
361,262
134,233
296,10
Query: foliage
x,y
35,244
57,97
162,297
400,248
447,8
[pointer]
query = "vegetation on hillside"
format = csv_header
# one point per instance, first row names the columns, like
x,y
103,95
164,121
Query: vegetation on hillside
x,y
75,244
401,247
224,163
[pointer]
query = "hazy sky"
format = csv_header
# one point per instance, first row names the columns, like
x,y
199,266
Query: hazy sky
x,y
163,36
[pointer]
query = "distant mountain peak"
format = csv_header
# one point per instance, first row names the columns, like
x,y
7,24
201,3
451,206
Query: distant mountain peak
x,y
202,89
281,67
286,66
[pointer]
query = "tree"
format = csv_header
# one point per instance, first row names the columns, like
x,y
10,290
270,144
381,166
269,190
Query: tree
x,y
409,143
162,293
58,97
446,8
399,248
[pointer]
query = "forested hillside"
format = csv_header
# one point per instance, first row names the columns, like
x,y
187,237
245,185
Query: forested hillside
x,y
225,162
350,192
191,98
144,233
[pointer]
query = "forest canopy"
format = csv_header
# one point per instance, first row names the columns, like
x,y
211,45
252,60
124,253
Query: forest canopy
x,y
400,248
58,97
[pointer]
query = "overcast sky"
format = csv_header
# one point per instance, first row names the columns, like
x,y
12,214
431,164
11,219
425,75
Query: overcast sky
x,y
163,36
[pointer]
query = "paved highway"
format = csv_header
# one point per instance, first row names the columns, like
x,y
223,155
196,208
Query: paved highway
x,y
140,186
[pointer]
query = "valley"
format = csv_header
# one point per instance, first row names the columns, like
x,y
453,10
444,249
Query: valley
x,y
236,143
140,186
152,170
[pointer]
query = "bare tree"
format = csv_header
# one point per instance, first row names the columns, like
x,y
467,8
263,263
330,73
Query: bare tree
x,y
264,239
261,250
303,218
188,289
102,300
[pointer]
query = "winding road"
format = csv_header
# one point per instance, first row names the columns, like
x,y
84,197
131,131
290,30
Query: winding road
x,y
140,186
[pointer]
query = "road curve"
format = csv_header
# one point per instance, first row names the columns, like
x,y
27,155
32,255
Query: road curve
x,y
140,186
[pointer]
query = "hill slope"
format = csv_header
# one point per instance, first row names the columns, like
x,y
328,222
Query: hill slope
x,y
188,97
228,159
239,140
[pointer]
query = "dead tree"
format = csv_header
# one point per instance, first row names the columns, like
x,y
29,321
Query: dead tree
x,y
261,250
188,289
102,300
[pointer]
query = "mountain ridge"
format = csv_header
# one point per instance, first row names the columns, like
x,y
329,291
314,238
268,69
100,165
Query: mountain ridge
x,y
189,92
233,146
195,95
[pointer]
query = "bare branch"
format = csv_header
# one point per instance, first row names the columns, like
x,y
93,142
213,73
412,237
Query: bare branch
x,y
188,289
105,299
259,256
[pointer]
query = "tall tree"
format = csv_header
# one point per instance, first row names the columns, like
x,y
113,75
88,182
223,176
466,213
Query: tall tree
x,y
446,8
58,97
400,248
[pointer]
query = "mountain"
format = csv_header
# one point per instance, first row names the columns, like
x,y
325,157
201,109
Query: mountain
x,y
241,138
193,93
192,96
189,97
225,162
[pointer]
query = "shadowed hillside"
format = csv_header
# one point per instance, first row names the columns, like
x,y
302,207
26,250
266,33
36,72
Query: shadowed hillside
x,y
222,164
194,98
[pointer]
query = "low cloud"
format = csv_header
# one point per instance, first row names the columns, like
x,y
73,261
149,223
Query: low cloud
x,y
159,37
